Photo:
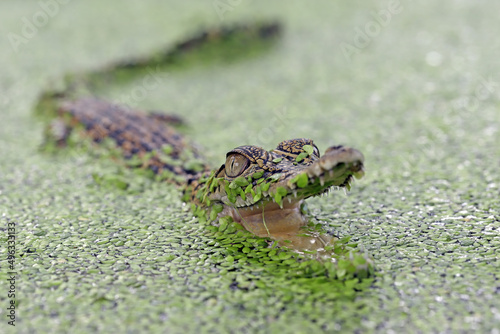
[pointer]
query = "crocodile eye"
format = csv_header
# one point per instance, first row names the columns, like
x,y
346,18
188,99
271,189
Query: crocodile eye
x,y
235,164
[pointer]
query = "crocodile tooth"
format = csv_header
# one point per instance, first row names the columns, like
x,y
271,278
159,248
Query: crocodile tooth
x,y
325,164
295,193
316,170
289,200
330,173
322,181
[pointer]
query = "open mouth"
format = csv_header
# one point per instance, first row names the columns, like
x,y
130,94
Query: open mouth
x,y
268,218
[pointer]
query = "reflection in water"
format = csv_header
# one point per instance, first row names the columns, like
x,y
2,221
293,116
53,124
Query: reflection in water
x,y
320,245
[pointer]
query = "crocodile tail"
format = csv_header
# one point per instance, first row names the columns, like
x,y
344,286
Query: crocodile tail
x,y
220,44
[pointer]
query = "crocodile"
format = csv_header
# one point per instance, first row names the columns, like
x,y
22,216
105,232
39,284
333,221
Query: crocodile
x,y
263,190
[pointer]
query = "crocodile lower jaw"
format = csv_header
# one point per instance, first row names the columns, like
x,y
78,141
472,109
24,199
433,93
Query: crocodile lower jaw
x,y
269,219
284,225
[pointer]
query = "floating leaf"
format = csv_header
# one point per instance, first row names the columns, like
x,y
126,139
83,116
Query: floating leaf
x,y
257,175
265,186
308,149
226,188
217,208
280,193
274,177
301,156
302,180
213,215
231,197
241,193
248,188
214,184
238,182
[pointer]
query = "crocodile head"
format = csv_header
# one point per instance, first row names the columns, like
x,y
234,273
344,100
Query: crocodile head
x,y
265,190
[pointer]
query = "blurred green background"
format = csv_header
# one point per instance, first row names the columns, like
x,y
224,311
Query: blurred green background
x,y
413,85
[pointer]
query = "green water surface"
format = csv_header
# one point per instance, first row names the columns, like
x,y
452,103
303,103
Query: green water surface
x,y
413,85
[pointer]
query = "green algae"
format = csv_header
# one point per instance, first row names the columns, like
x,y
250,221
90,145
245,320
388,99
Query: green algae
x,y
427,210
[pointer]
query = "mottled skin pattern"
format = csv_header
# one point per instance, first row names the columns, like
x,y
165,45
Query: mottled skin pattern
x,y
135,134
262,190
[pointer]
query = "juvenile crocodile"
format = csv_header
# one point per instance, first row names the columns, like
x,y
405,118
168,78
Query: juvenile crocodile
x,y
262,190
265,190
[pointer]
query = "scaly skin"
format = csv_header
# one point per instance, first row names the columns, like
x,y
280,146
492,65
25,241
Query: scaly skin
x,y
262,190
144,140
